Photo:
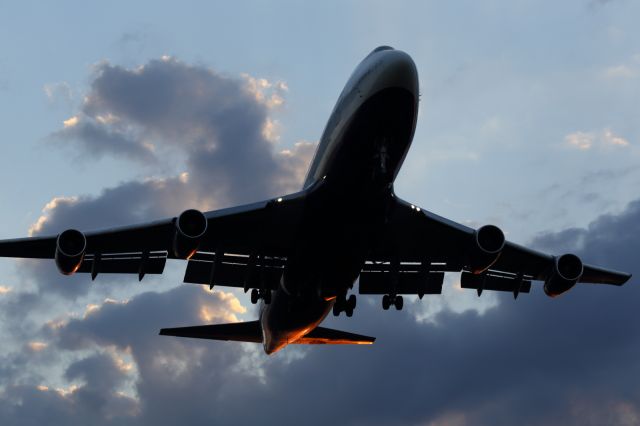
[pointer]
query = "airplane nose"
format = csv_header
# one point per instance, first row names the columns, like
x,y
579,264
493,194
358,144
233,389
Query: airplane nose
x,y
401,71
396,69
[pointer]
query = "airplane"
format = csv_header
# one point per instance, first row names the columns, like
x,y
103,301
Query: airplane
x,y
301,254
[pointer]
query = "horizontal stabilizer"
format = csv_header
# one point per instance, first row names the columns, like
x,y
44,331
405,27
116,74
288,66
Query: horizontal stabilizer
x,y
251,332
329,336
238,331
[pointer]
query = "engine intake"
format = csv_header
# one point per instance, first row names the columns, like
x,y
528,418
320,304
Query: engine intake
x,y
488,242
70,248
567,270
191,226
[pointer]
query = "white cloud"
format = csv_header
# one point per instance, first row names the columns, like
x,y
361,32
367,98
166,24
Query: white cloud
x,y
37,346
586,140
580,140
620,71
58,91
609,138
266,92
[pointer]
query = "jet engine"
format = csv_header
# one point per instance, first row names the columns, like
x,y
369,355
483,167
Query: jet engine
x,y
567,270
191,226
488,242
70,247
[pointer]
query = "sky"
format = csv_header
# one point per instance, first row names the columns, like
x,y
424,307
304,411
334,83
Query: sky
x,y
116,113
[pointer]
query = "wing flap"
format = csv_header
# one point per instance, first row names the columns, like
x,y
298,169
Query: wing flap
x,y
494,282
406,283
126,263
330,336
239,332
234,271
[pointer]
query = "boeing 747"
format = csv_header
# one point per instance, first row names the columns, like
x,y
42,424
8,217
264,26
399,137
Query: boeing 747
x,y
300,255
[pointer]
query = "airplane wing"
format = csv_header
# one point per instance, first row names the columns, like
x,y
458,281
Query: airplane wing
x,y
245,245
416,247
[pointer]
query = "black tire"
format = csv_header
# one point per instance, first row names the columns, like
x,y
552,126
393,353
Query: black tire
x,y
254,296
349,312
351,302
385,302
336,309
399,303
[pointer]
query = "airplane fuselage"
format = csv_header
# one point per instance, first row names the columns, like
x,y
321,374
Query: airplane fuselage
x,y
350,182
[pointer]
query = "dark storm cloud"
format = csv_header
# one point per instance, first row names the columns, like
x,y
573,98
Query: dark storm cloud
x,y
96,401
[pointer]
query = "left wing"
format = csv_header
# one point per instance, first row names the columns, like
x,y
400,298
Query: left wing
x,y
416,247
239,243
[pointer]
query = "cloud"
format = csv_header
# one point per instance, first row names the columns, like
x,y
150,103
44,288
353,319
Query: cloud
x,y
218,127
586,140
580,140
58,92
619,71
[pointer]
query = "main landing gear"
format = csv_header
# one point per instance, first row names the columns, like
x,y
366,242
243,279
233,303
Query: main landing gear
x,y
344,304
390,299
263,294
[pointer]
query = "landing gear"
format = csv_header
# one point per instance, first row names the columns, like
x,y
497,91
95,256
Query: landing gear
x,y
263,294
351,305
344,304
388,300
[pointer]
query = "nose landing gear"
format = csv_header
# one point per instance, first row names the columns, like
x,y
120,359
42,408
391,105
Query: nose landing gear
x,y
381,159
344,304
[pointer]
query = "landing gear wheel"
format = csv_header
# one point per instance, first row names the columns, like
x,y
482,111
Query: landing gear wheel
x,y
399,303
349,312
336,308
267,297
351,303
385,302
254,296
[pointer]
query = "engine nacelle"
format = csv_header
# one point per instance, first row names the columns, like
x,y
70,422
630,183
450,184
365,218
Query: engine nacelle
x,y
191,226
70,247
488,242
567,270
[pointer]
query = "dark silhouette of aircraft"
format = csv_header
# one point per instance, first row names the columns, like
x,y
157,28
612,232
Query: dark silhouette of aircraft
x,y
301,254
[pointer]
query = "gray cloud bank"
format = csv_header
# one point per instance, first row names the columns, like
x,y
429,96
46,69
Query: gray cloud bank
x,y
533,361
